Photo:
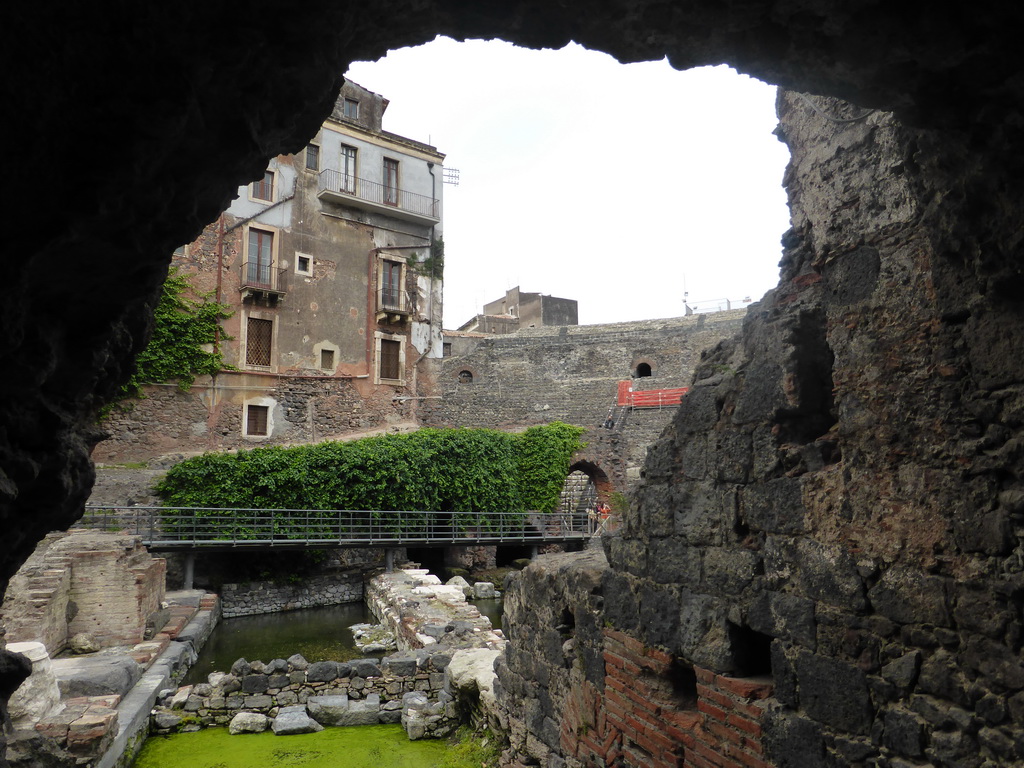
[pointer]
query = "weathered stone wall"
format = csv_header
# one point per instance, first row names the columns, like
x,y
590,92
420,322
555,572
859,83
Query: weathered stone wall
x,y
105,585
421,612
593,695
571,374
266,687
258,597
208,417
837,502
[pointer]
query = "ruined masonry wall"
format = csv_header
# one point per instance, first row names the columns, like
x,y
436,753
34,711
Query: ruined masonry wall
x,y
258,689
577,690
839,501
105,585
260,597
571,374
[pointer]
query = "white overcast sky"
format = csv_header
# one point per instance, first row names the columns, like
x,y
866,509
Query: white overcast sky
x,y
615,185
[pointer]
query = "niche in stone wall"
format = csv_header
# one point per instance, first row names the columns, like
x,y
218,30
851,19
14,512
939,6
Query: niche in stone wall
x,y
465,377
643,371
751,651
683,680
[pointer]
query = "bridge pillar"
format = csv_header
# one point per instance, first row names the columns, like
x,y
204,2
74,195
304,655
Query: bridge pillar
x,y
389,560
534,551
190,570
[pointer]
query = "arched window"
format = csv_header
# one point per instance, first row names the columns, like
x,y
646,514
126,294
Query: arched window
x,y
465,377
643,370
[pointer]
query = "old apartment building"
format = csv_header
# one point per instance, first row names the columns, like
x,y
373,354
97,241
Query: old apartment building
x,y
336,318
518,309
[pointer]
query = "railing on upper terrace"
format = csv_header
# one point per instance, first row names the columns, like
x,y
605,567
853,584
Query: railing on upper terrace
x,y
345,184
165,528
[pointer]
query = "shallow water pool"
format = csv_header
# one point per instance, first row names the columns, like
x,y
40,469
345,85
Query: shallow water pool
x,y
368,746
319,634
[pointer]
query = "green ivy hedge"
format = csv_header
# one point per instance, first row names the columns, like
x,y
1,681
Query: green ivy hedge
x,y
474,472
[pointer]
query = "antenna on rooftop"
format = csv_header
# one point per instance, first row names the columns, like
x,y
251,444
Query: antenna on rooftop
x,y
450,176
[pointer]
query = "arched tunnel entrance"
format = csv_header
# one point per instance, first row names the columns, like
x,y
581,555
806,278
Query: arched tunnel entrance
x,y
179,112
586,490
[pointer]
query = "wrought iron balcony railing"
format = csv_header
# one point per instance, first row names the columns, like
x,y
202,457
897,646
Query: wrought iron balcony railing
x,y
262,277
346,187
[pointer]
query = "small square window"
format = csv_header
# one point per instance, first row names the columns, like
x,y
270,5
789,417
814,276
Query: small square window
x,y
446,349
312,158
264,189
256,419
303,264
327,359
351,109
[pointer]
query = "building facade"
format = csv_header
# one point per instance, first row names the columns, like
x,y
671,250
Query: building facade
x,y
326,264
518,309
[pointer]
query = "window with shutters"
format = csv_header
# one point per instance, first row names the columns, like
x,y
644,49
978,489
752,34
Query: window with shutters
x,y
348,169
389,361
312,157
264,188
257,419
390,181
258,341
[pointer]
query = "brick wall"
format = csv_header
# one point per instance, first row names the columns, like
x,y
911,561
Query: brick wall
x,y
103,584
580,693
641,720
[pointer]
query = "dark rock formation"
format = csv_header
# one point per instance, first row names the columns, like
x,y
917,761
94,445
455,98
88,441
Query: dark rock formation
x,y
880,385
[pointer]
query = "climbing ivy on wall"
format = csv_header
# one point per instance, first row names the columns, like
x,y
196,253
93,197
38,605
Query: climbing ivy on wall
x,y
445,470
184,324
433,263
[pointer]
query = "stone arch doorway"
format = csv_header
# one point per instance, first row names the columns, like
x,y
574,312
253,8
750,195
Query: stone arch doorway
x,y
585,486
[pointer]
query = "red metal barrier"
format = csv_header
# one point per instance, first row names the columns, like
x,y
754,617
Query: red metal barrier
x,y
650,398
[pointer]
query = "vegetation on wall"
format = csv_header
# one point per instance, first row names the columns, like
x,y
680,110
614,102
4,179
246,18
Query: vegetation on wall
x,y
474,471
185,326
433,264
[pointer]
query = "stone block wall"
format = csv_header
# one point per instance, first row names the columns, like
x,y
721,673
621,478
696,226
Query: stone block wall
x,y
206,418
571,374
574,689
838,502
258,597
267,687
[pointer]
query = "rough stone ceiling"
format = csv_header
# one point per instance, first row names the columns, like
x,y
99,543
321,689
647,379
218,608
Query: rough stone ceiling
x,y
132,124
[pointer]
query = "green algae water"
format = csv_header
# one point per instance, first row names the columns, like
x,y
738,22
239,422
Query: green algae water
x,y
365,746
319,634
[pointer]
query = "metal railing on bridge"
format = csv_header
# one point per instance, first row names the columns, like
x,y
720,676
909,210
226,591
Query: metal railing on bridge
x,y
165,528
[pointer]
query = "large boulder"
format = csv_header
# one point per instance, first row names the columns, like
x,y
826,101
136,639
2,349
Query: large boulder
x,y
471,680
98,675
292,720
248,722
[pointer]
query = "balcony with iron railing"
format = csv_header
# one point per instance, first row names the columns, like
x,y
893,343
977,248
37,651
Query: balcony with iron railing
x,y
262,279
367,195
393,303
